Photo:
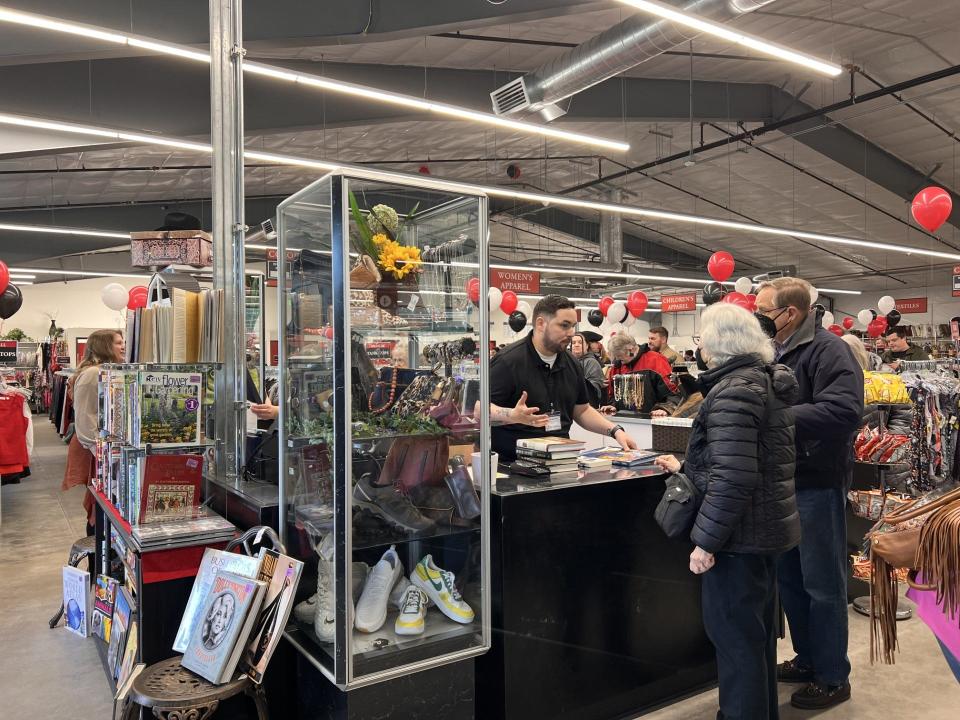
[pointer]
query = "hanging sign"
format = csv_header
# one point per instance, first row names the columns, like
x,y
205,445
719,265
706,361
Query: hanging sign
x,y
956,280
520,281
8,352
380,352
678,303
912,305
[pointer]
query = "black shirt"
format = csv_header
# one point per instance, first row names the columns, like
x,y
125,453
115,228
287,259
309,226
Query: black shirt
x,y
561,388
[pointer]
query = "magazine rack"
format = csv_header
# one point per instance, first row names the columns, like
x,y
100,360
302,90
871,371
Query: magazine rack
x,y
383,386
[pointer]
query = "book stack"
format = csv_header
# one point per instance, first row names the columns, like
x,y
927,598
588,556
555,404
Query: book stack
x,y
236,613
616,457
206,527
558,455
185,328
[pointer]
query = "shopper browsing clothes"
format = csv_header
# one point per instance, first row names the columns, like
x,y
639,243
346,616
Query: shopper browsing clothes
x,y
813,576
657,340
590,364
103,346
537,388
898,348
741,457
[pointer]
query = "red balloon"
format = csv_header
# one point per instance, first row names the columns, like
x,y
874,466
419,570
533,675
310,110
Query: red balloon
x,y
328,332
876,328
4,277
848,323
721,266
882,322
473,290
752,299
605,302
836,330
931,207
637,303
734,298
137,297
509,302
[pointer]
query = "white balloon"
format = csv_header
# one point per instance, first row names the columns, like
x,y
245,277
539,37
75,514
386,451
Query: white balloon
x,y
115,296
865,317
886,304
629,320
495,297
524,307
828,319
814,294
617,329
618,312
744,285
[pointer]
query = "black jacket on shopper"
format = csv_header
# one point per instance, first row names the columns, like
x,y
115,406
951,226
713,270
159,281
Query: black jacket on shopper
x,y
829,408
741,456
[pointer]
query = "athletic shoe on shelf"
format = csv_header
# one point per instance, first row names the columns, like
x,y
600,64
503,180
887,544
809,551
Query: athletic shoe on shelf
x,y
325,611
372,607
305,611
413,612
440,586
399,592
390,504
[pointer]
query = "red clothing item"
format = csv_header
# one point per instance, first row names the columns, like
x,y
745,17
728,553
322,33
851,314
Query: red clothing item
x,y
648,360
13,438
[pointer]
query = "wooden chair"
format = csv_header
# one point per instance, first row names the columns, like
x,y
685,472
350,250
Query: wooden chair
x,y
174,693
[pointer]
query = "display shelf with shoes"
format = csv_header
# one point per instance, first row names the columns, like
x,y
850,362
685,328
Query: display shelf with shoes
x,y
383,384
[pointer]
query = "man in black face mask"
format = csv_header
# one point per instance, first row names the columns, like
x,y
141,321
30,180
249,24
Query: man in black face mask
x,y
813,577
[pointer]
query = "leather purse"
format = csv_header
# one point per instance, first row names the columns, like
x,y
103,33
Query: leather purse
x,y
413,461
465,498
677,510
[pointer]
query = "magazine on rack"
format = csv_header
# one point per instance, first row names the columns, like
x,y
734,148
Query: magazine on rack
x,y
104,596
76,600
621,458
282,575
168,409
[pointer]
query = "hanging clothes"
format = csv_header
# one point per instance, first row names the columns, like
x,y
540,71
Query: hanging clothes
x,y
934,430
14,452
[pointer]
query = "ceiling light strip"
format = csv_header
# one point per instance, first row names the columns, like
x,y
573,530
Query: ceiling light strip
x,y
278,73
78,273
724,32
63,231
497,191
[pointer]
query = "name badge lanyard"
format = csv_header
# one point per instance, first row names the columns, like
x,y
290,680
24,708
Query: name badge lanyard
x,y
553,417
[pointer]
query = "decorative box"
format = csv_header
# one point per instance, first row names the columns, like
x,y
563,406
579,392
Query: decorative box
x,y
171,247
671,434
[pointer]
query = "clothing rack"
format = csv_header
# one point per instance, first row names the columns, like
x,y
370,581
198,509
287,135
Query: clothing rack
x,y
929,365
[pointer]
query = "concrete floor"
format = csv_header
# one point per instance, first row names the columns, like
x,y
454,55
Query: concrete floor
x,y
51,673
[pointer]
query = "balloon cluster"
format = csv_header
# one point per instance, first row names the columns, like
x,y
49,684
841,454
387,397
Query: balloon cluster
x,y
721,266
116,297
10,298
877,323
505,301
619,311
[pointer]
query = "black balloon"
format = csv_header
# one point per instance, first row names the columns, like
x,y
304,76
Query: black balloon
x,y
10,301
874,313
893,318
595,317
712,293
517,321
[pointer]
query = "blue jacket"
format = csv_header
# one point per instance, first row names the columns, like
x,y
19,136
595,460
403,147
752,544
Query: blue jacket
x,y
830,405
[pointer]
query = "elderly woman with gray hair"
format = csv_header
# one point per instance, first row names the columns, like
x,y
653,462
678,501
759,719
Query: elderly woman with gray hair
x,y
741,457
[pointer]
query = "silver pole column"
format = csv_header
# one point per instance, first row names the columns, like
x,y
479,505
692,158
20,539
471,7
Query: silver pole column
x,y
226,137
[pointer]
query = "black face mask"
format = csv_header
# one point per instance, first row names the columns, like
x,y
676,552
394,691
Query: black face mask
x,y
701,364
768,326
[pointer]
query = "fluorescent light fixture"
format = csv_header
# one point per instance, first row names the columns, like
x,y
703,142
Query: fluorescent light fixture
x,y
22,276
19,283
498,191
77,273
63,230
278,73
739,38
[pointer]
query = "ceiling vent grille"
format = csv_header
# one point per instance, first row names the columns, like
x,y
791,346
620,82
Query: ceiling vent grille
x,y
510,97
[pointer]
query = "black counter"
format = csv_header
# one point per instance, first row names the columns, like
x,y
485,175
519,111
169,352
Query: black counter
x,y
595,613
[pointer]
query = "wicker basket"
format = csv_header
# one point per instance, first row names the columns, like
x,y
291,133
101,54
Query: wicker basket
x,y
671,434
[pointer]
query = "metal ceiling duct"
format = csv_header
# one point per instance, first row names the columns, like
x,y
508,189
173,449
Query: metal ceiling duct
x,y
635,40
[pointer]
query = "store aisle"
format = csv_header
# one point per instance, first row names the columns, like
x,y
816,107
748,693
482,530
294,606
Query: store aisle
x,y
920,685
44,673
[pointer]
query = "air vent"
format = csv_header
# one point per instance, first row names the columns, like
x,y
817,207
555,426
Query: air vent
x,y
786,271
510,97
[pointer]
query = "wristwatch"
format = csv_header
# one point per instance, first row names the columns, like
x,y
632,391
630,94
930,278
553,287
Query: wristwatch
x,y
614,430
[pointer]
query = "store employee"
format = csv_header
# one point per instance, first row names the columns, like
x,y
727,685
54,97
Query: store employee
x,y
537,388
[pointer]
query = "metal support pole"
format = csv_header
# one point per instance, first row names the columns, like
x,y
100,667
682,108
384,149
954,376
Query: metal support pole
x,y
226,137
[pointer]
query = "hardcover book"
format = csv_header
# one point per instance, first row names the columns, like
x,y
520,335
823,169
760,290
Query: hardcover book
x,y
282,575
213,561
168,409
550,443
104,596
129,654
76,600
169,487
122,613
228,613
621,458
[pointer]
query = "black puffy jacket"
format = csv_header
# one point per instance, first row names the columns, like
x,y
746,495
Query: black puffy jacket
x,y
741,455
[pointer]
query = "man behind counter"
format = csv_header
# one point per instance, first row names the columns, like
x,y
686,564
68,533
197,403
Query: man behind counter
x,y
538,389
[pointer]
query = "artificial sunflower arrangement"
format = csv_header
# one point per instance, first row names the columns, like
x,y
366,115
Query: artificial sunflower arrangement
x,y
377,241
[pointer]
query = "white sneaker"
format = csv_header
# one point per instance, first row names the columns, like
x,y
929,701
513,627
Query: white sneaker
x,y
413,612
439,586
325,609
372,607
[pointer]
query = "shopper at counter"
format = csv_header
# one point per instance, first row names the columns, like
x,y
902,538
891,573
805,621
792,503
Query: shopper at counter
x,y
657,340
590,364
899,349
813,576
537,388
741,456
103,346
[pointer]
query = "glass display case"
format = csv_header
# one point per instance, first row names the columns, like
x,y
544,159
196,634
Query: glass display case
x,y
384,467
